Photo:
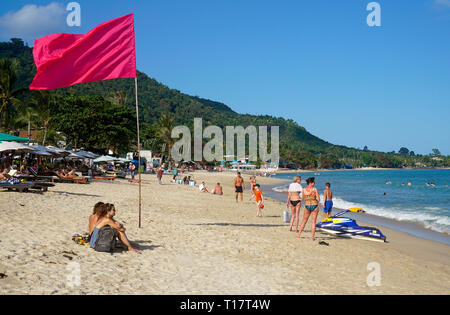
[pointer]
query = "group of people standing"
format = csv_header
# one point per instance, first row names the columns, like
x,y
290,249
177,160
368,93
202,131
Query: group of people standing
x,y
311,198
296,195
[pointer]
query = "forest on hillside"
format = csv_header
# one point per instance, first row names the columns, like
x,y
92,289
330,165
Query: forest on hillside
x,y
99,116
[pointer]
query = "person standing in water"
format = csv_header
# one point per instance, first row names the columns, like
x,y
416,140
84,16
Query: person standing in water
x,y
294,200
311,197
328,200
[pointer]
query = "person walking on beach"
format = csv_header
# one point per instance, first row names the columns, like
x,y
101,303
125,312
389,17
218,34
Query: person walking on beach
x,y
327,200
259,200
132,169
294,200
174,174
239,186
252,184
311,197
159,175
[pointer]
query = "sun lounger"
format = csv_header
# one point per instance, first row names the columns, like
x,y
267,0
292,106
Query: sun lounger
x,y
42,186
74,179
24,187
104,177
21,187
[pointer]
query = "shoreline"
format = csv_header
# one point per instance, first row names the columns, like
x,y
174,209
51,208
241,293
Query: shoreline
x,y
412,228
198,244
287,171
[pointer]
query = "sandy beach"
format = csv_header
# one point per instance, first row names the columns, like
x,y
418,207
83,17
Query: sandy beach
x,y
196,243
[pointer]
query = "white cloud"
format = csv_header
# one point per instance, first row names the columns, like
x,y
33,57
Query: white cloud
x,y
442,3
32,21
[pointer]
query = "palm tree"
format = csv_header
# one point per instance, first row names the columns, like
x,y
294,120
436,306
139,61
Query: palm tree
x,y
166,124
9,101
41,103
27,115
118,98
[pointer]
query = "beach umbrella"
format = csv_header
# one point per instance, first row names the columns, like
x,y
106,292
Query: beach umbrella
x,y
75,156
88,155
122,160
41,150
15,147
7,137
105,158
42,153
57,151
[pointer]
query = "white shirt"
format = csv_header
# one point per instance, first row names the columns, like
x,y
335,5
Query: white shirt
x,y
295,187
201,186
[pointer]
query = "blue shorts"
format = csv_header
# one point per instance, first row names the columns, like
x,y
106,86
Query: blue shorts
x,y
328,206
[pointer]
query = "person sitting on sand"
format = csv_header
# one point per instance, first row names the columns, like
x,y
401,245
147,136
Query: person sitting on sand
x,y
312,199
93,219
259,200
106,213
202,187
217,190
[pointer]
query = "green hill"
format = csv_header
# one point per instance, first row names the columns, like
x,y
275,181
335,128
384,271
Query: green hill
x,y
296,143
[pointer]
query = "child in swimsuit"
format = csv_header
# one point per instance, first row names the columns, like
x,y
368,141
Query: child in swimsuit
x,y
328,200
259,200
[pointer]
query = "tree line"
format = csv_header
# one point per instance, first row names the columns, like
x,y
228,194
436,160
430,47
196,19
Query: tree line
x,y
98,116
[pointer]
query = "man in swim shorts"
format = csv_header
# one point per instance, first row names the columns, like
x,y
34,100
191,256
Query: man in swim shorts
x,y
328,200
239,186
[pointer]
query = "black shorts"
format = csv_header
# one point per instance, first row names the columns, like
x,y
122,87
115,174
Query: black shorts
x,y
239,189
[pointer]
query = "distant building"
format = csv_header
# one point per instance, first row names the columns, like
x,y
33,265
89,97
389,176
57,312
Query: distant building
x,y
33,134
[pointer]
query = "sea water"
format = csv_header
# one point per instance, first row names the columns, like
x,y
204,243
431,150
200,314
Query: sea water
x,y
408,198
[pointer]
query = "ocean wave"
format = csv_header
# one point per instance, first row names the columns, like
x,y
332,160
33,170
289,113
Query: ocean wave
x,y
437,223
281,189
430,217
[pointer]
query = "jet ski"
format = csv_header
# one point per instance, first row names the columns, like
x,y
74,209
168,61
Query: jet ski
x,y
346,227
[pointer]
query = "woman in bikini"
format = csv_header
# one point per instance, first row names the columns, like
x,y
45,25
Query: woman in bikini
x,y
311,197
294,200
93,219
106,213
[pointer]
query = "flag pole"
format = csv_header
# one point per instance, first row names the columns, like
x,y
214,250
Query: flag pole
x,y
139,150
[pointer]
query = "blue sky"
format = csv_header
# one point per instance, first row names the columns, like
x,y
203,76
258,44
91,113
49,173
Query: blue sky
x,y
316,61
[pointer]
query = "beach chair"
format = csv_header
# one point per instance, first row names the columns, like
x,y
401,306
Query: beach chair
x,y
41,186
20,187
34,176
74,179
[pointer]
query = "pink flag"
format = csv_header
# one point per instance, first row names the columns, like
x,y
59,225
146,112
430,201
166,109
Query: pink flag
x,y
106,52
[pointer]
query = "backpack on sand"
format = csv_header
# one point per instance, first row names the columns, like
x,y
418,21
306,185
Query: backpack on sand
x,y
106,241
